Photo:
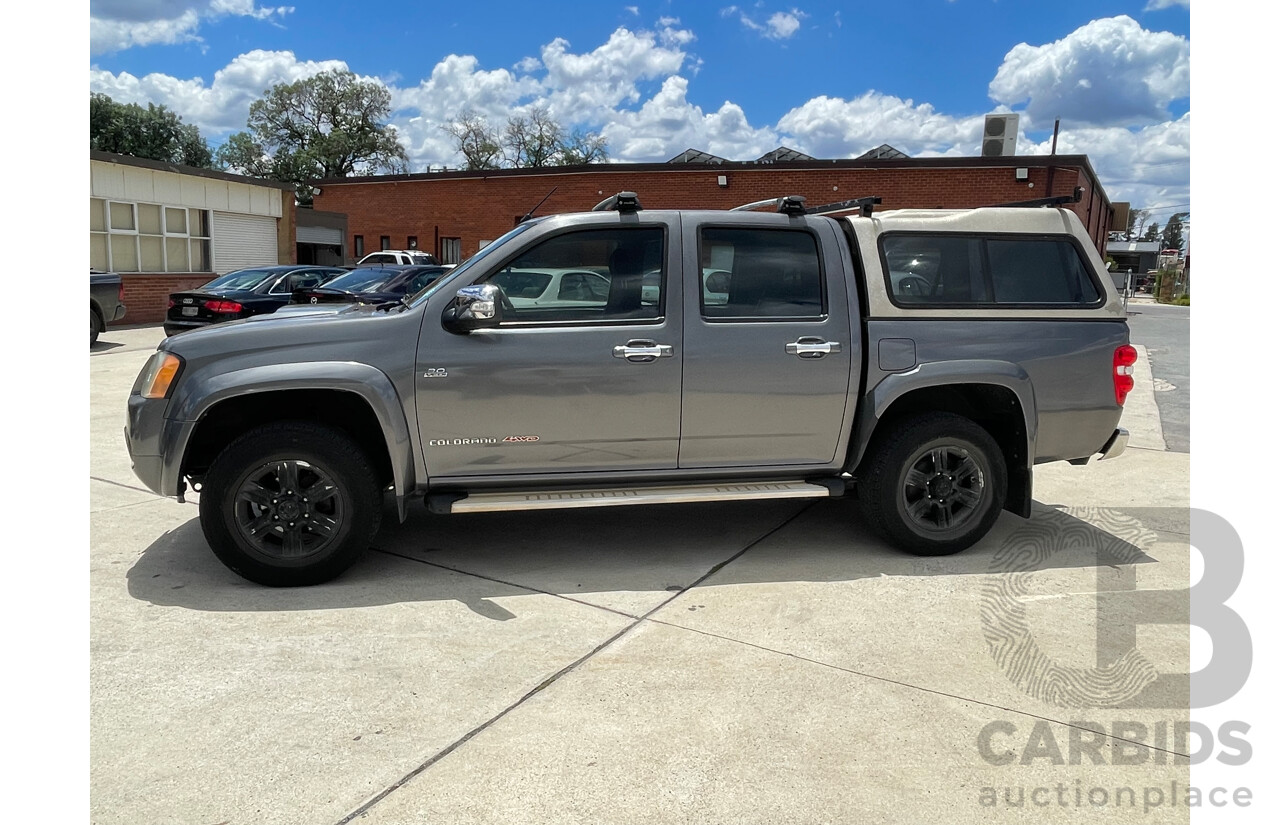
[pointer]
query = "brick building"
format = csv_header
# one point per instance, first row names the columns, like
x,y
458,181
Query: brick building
x,y
166,228
453,214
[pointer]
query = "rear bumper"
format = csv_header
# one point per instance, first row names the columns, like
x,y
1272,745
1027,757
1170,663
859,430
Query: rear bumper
x,y
119,313
1116,444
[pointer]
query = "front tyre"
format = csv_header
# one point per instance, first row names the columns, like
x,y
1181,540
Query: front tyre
x,y
934,484
290,504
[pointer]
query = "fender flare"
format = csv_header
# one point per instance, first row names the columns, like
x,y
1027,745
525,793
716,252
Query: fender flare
x,y
880,398
202,393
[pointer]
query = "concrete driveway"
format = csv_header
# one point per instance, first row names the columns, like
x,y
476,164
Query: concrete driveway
x,y
737,663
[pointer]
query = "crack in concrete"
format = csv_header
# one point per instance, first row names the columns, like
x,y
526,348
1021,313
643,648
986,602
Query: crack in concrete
x,y
910,686
549,681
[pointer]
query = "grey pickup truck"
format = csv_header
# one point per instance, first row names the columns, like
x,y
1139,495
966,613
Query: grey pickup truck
x,y
919,363
106,301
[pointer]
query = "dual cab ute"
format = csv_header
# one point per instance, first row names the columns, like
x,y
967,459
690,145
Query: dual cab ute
x,y
917,362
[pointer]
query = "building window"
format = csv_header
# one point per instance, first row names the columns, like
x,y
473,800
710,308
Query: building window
x,y
359,247
413,242
147,237
385,242
451,250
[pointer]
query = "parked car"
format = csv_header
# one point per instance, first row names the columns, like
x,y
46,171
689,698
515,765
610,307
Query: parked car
x,y
820,375
405,257
106,301
242,294
547,287
370,285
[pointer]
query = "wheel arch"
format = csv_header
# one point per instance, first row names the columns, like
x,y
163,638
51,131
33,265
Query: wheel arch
x,y
996,395
355,398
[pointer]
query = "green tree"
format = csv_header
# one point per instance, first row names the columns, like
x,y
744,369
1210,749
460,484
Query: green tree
x,y
581,148
1152,233
154,132
329,125
1172,238
1137,219
525,141
478,142
533,140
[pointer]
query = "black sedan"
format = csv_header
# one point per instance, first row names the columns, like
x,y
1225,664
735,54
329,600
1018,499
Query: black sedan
x,y
371,285
241,294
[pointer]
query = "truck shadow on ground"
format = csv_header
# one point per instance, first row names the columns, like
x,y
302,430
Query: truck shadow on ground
x,y
580,554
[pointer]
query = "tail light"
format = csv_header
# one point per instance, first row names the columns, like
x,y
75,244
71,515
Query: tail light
x,y
120,292
171,302
223,306
1122,371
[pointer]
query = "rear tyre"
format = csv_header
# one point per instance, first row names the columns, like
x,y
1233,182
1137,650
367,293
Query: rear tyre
x,y
290,504
95,327
933,485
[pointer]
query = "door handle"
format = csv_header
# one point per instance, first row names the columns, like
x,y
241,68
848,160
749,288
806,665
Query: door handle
x,y
812,347
642,352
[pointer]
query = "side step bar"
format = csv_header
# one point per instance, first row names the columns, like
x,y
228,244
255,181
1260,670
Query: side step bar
x,y
615,496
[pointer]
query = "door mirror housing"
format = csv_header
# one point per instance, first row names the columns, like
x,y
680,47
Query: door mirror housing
x,y
474,307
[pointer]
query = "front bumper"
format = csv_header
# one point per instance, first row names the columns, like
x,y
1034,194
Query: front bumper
x,y
155,444
1116,444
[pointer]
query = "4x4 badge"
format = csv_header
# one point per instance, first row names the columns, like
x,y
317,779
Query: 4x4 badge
x,y
518,438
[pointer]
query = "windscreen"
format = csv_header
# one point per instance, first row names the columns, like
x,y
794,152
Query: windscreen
x,y
243,279
362,280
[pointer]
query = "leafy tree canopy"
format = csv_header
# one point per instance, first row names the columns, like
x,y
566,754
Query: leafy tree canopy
x,y
154,133
527,141
1172,238
329,125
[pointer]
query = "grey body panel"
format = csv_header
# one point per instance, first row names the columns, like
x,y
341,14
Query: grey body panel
x,y
561,384
529,406
747,401
359,350
104,295
1059,370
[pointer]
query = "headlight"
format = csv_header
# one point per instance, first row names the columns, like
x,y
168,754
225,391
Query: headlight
x,y
157,377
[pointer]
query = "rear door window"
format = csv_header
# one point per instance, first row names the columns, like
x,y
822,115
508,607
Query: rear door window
x,y
760,274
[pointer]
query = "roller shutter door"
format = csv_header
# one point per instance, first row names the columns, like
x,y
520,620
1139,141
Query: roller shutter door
x,y
241,241
326,235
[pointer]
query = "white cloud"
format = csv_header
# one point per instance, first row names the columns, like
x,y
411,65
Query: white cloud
x,y
634,89
668,123
1143,166
586,85
115,25
831,127
220,106
781,25
1157,5
1109,72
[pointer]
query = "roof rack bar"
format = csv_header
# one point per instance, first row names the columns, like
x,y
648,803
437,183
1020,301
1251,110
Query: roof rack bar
x,y
624,202
1060,200
747,207
794,205
787,205
864,205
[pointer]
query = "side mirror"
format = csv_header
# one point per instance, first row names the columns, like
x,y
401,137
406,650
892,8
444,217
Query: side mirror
x,y
474,307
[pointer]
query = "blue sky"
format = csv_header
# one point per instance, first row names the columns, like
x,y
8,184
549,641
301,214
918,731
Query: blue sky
x,y
736,79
